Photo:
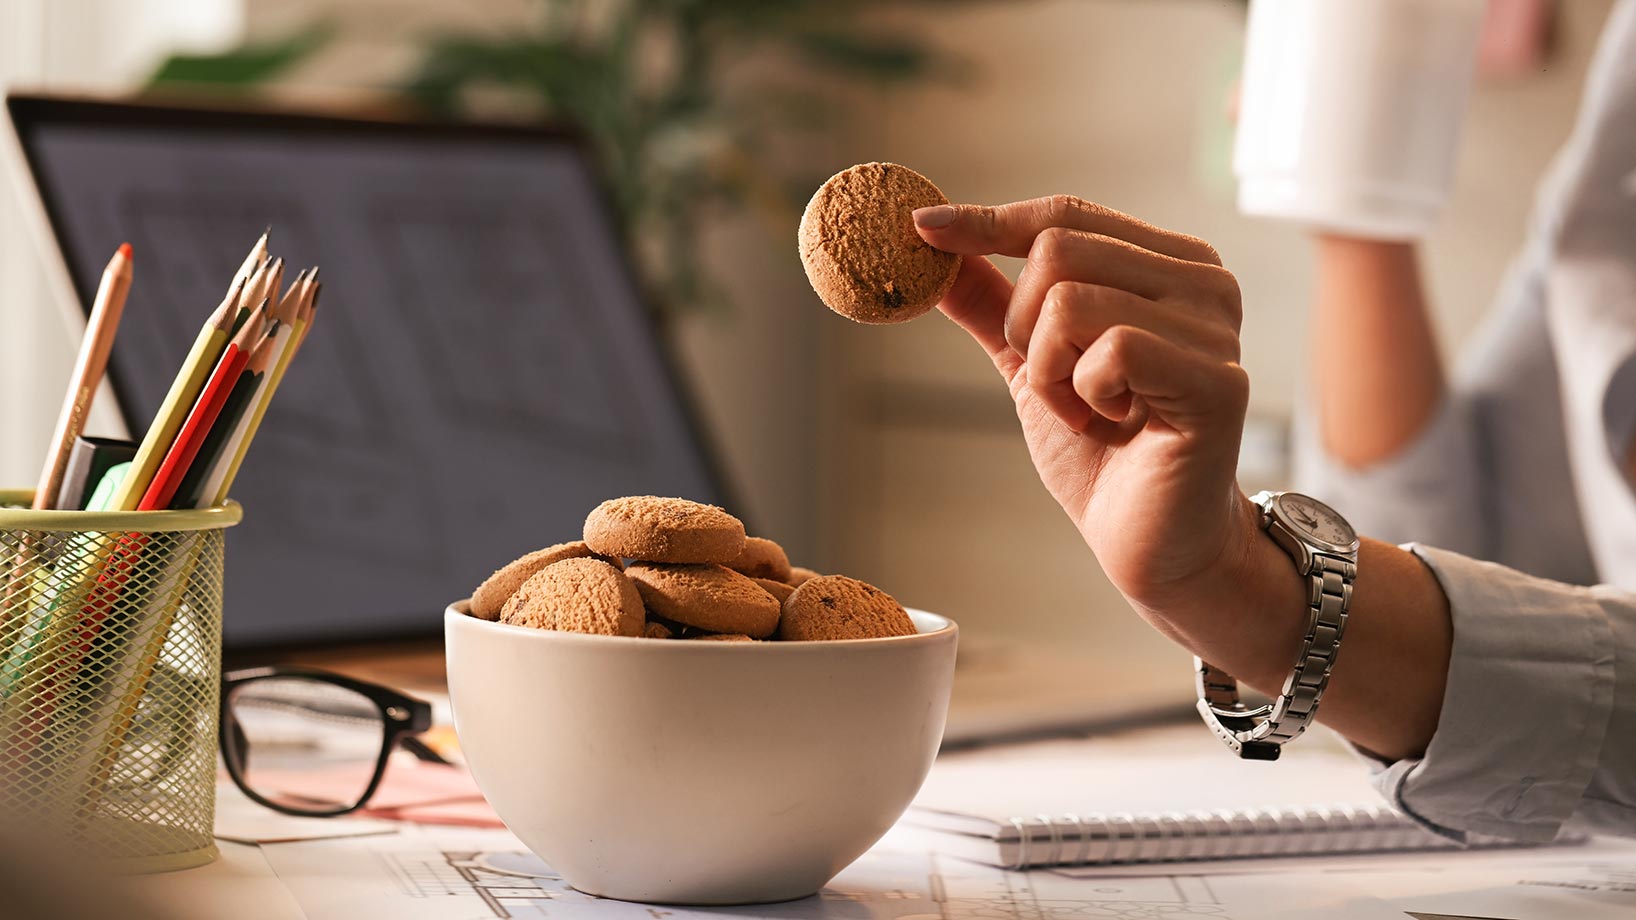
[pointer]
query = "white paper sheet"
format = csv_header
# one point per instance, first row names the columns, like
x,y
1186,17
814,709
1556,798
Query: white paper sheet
x,y
1589,891
239,885
1153,772
240,820
458,874
1399,861
1593,881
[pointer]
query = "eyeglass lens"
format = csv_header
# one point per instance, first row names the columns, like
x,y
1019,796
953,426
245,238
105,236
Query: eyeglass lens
x,y
302,744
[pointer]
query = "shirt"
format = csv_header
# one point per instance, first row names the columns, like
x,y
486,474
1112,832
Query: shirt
x,y
1525,464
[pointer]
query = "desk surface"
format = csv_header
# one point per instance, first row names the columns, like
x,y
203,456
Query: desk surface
x,y
429,873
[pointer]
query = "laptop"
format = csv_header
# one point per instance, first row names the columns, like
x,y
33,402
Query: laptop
x,y
484,370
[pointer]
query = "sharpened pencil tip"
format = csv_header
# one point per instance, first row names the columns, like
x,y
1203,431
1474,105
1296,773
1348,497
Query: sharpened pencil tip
x,y
125,250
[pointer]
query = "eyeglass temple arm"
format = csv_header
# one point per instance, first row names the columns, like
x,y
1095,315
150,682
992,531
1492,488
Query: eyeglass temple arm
x,y
423,751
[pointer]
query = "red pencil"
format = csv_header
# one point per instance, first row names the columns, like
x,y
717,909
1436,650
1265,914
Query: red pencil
x,y
199,421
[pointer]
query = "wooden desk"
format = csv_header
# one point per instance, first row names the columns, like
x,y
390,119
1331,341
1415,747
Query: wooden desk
x,y
411,666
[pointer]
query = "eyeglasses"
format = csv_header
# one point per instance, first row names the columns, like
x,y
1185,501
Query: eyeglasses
x,y
311,743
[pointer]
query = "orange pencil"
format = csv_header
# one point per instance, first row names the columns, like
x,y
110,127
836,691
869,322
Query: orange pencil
x,y
205,410
88,371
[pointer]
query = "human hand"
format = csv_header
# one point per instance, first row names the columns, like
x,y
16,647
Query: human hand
x,y
1120,345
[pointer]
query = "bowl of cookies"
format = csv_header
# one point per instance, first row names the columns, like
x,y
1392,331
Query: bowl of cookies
x,y
667,711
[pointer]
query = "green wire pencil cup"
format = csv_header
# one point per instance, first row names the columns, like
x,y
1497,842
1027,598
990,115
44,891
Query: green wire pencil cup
x,y
110,673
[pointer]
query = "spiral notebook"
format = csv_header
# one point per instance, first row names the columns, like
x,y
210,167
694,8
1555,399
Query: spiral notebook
x,y
1089,804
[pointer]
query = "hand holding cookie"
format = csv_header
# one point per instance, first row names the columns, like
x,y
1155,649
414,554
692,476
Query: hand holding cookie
x,y
1119,342
860,250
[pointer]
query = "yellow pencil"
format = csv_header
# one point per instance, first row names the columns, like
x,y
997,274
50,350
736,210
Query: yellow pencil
x,y
289,309
201,360
306,305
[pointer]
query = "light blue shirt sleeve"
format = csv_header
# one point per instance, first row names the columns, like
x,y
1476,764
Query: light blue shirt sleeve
x,y
1485,477
1538,725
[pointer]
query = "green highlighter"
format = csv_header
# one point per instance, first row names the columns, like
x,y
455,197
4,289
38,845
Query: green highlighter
x,y
103,497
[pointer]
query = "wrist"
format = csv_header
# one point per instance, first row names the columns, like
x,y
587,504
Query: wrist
x,y
1361,249
1248,613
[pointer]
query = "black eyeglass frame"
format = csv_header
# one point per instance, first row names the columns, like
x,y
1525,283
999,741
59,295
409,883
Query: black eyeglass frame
x,y
402,717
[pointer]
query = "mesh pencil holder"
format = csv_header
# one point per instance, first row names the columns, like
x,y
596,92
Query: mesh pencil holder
x,y
110,677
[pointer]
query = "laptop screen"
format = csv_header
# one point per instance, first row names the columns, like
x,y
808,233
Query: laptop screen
x,y
481,370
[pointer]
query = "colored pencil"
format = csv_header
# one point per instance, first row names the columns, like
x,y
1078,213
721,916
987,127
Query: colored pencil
x,y
295,311
184,391
258,255
203,415
234,409
106,311
196,369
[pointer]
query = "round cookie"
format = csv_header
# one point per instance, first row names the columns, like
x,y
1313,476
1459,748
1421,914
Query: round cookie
x,y
800,575
861,251
780,591
711,597
578,595
655,529
722,637
838,607
495,590
762,559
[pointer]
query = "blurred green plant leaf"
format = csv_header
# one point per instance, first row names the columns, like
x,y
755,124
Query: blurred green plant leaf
x,y
245,66
650,84
883,58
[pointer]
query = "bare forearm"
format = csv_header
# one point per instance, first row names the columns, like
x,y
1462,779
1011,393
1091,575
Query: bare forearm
x,y
1377,376
1386,690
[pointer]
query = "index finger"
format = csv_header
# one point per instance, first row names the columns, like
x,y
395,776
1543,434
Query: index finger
x,y
1010,229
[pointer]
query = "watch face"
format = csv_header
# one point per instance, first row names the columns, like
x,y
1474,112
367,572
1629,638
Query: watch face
x,y
1316,521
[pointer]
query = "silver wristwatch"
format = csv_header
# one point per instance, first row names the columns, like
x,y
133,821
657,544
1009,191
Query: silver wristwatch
x,y
1325,550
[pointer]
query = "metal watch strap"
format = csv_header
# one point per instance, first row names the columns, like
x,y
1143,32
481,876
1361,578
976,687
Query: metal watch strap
x,y
1257,734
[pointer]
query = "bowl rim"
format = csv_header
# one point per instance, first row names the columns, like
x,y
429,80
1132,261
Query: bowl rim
x,y
943,629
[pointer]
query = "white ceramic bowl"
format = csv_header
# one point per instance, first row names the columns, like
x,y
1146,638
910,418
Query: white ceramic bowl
x,y
697,772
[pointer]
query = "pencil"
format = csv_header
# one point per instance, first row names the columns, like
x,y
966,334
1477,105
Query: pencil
x,y
296,339
312,308
291,315
191,489
258,255
106,311
254,291
184,390
203,415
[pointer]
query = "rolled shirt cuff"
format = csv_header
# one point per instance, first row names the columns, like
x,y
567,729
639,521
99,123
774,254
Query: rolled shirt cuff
x,y
1526,708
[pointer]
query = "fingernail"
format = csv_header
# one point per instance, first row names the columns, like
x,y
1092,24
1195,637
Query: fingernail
x,y
936,216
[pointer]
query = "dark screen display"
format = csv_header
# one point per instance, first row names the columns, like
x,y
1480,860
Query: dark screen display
x,y
480,373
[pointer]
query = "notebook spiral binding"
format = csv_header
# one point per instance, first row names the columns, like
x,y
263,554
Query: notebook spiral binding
x,y
1122,838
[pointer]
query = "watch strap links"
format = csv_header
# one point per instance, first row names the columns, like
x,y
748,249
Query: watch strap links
x,y
1256,734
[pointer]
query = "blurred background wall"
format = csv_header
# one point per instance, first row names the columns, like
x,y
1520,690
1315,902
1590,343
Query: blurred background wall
x,y
94,46
891,453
